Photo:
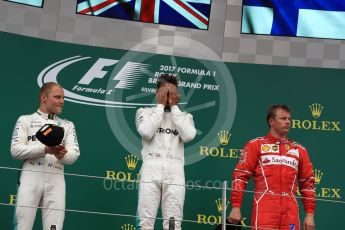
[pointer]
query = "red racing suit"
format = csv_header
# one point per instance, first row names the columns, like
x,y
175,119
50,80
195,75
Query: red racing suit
x,y
278,167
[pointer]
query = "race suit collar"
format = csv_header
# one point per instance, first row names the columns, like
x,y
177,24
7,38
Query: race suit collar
x,y
46,115
277,140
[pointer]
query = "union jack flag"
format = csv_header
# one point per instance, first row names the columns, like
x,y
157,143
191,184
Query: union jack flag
x,y
185,13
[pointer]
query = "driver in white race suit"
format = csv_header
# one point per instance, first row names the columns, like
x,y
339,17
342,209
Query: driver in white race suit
x,y
164,130
42,182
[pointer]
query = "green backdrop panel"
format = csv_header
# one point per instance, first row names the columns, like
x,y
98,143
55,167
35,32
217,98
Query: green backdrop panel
x,y
103,89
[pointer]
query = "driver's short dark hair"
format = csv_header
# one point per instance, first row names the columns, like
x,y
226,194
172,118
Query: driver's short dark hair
x,y
166,78
271,113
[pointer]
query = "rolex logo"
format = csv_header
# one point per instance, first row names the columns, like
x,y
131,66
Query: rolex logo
x,y
318,175
131,161
224,137
316,110
128,227
219,205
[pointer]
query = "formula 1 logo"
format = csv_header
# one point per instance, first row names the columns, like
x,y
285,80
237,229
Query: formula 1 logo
x,y
87,89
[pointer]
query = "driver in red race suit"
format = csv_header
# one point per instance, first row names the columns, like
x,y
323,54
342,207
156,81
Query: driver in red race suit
x,y
278,166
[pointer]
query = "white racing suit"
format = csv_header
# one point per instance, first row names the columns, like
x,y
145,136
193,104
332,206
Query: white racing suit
x,y
162,173
42,182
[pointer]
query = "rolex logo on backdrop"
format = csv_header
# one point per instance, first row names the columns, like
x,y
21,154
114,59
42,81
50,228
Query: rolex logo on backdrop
x,y
12,199
318,176
223,150
324,191
220,205
128,227
316,110
215,218
131,163
224,137
316,122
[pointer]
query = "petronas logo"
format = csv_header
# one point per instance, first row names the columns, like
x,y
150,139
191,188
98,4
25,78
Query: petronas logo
x,y
316,110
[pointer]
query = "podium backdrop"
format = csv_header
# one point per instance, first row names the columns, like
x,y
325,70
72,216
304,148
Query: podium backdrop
x,y
105,87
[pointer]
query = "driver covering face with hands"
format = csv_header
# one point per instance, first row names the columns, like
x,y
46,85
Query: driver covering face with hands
x,y
164,129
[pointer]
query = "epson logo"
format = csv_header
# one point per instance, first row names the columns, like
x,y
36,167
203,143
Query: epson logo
x,y
167,131
122,76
